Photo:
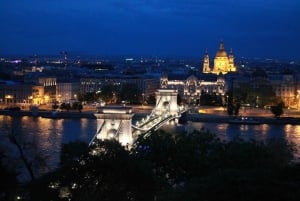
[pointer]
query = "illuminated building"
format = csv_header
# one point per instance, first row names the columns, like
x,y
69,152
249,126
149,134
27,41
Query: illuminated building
x,y
191,87
222,63
49,84
66,91
268,88
15,93
145,85
285,87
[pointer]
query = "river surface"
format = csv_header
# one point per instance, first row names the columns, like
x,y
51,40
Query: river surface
x,y
49,134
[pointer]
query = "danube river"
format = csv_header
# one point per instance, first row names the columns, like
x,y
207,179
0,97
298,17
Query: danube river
x,y
49,134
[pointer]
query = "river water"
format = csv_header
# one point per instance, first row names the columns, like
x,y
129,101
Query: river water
x,y
49,134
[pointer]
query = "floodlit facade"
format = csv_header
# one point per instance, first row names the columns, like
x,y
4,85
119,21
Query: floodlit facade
x,y
15,93
49,84
286,88
146,86
190,88
65,91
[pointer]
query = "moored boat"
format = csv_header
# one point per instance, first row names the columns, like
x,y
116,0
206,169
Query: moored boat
x,y
244,120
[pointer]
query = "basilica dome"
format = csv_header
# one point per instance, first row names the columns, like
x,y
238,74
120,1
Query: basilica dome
x,y
221,52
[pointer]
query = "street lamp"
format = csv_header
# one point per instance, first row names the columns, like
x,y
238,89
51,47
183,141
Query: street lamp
x,y
96,95
46,98
298,99
59,98
30,98
227,100
143,95
9,98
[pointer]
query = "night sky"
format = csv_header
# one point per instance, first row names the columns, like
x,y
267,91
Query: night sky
x,y
184,28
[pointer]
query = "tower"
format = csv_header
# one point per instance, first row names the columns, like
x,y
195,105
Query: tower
x,y
164,81
65,62
206,68
166,101
231,61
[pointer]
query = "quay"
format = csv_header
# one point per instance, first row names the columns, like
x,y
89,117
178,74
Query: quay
x,y
206,114
193,117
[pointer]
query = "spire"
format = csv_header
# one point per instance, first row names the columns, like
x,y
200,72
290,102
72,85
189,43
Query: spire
x,y
206,52
221,45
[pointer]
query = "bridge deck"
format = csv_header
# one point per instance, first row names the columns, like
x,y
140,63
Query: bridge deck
x,y
153,122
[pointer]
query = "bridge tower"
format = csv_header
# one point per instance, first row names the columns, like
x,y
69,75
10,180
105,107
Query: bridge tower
x,y
166,101
114,122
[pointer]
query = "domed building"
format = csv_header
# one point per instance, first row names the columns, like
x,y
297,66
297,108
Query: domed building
x,y
222,62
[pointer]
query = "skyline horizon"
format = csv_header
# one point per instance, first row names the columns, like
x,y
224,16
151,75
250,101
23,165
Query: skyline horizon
x,y
82,55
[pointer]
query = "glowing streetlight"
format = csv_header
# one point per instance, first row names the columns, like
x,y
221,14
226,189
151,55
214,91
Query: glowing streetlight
x,y
143,95
227,100
298,99
46,98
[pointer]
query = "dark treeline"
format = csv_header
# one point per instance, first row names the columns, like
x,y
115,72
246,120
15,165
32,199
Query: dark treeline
x,y
162,166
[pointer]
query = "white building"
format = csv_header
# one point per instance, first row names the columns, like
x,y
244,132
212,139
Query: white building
x,y
191,87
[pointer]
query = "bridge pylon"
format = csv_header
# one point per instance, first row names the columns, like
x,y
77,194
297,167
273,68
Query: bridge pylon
x,y
114,122
166,102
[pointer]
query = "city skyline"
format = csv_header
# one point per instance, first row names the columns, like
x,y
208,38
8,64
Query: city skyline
x,y
267,29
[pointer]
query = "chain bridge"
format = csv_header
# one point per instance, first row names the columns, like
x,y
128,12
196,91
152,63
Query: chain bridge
x,y
116,121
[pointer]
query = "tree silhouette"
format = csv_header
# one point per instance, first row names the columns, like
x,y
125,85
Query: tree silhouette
x,y
162,166
277,110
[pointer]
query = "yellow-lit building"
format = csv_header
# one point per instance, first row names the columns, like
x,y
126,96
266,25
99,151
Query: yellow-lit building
x,y
223,63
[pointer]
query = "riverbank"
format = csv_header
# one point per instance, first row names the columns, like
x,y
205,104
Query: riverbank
x,y
49,114
87,113
193,117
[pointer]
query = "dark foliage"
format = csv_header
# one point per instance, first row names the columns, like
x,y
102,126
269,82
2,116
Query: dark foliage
x,y
71,152
65,106
105,172
8,182
162,166
277,110
77,106
130,93
210,99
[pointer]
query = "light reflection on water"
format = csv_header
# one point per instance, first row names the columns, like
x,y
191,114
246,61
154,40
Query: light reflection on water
x,y
227,132
230,131
49,134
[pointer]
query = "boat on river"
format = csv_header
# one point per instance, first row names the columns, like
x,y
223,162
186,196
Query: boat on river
x,y
244,120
